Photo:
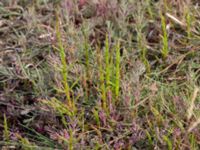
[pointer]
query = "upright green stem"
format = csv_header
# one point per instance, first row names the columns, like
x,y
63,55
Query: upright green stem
x,y
64,71
165,48
117,75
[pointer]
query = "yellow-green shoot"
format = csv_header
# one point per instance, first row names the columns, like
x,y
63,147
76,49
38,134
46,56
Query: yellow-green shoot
x,y
165,47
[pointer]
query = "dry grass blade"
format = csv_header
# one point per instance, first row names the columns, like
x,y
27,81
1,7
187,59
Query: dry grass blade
x,y
176,20
192,105
194,125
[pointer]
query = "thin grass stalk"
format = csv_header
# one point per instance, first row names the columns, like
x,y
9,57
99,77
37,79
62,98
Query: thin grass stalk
x,y
188,23
5,131
64,70
169,143
143,55
108,65
102,81
62,57
165,47
149,9
117,75
165,6
86,50
71,139
140,37
87,75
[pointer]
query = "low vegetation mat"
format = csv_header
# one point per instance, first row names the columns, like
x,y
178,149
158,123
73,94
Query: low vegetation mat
x,y
100,74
